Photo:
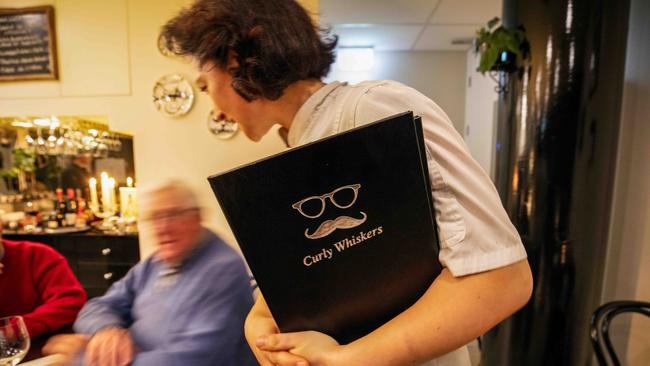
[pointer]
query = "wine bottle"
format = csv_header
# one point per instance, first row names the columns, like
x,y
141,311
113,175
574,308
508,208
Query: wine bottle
x,y
60,208
71,209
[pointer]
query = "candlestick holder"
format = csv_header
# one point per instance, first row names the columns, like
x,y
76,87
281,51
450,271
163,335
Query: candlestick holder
x,y
104,214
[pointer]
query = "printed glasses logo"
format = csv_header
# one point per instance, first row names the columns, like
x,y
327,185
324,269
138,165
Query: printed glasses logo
x,y
314,206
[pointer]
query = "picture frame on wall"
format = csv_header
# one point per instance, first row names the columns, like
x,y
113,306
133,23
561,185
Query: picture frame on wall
x,y
28,44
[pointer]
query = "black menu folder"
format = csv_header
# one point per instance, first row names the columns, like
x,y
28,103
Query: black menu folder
x,y
339,233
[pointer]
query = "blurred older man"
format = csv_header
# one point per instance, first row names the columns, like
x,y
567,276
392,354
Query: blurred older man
x,y
185,305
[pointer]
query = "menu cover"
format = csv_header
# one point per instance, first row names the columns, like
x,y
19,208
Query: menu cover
x,y
339,233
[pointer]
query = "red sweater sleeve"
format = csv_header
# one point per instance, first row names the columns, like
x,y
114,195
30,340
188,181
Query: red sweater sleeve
x,y
62,297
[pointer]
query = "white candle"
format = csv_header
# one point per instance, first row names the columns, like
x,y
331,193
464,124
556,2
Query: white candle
x,y
111,187
106,205
94,202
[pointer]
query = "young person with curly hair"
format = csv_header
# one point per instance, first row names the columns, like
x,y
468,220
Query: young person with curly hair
x,y
262,63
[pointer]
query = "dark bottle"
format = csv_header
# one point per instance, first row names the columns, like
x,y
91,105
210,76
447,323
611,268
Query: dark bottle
x,y
71,208
31,216
71,204
60,207
81,206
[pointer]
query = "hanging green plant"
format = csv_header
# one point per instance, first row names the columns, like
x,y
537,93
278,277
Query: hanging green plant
x,y
499,47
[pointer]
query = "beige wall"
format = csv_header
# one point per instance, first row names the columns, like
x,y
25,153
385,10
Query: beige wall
x,y
480,114
438,75
312,6
109,63
627,274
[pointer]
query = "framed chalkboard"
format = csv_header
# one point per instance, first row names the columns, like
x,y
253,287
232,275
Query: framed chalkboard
x,y
27,44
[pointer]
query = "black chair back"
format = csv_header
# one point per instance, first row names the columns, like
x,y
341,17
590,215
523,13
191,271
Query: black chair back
x,y
599,324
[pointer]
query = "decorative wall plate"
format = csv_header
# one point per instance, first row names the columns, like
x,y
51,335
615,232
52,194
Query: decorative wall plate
x,y
221,127
173,95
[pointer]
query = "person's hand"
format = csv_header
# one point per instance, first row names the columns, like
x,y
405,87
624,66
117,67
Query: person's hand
x,y
260,323
109,347
317,348
66,345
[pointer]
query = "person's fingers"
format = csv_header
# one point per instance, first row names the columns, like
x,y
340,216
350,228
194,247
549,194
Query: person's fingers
x,y
105,353
101,353
285,359
127,351
110,347
52,346
56,344
112,352
90,358
260,357
123,349
263,360
278,358
65,344
117,342
278,342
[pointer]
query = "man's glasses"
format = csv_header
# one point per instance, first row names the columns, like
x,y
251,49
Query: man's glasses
x,y
158,216
314,206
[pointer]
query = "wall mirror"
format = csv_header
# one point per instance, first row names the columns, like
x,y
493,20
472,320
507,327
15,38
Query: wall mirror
x,y
40,154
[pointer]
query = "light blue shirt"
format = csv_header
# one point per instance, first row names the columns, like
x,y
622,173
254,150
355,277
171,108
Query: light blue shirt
x,y
193,316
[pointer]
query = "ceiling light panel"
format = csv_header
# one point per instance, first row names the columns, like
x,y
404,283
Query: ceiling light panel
x,y
380,37
440,37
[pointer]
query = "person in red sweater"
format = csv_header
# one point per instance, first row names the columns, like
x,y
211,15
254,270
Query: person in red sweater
x,y
37,283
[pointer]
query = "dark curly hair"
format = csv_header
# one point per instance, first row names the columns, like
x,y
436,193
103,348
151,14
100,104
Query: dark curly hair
x,y
275,42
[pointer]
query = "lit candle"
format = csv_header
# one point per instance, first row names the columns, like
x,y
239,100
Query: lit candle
x,y
94,202
129,182
111,186
106,205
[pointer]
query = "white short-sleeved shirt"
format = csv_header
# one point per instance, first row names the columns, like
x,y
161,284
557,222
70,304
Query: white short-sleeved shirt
x,y
475,232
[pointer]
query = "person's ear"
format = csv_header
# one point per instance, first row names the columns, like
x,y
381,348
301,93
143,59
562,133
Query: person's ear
x,y
232,62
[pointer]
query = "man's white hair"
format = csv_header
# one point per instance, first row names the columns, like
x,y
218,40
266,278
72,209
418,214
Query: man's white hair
x,y
179,189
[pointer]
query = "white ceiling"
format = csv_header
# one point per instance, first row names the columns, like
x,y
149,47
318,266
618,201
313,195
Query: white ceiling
x,y
407,25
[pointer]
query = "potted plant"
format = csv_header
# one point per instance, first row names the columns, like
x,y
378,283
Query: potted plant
x,y
499,47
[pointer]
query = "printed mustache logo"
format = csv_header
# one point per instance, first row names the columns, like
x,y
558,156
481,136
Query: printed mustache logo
x,y
313,207
341,222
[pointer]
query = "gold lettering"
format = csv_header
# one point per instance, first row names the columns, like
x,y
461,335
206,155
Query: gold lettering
x,y
307,261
